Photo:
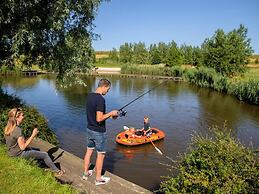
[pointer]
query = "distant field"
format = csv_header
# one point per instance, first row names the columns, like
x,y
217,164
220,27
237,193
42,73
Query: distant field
x,y
252,73
101,54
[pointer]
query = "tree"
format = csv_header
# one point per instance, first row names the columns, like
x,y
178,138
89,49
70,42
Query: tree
x,y
163,49
140,53
188,54
126,53
227,53
154,54
48,32
174,56
113,55
197,56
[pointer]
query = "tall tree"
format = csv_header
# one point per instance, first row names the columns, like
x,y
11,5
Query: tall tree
x,y
163,49
140,53
113,55
48,32
126,53
174,55
227,53
187,54
154,54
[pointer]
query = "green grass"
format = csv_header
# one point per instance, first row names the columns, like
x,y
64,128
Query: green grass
x,y
18,175
100,64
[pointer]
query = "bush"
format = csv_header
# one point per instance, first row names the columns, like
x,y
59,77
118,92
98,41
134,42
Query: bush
x,y
216,165
32,119
203,77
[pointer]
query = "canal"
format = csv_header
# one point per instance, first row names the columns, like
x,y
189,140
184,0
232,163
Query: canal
x,y
177,108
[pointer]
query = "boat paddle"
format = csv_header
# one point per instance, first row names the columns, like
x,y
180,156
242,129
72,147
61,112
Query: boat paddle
x,y
158,150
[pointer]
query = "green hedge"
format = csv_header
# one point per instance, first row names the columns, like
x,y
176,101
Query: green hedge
x,y
215,165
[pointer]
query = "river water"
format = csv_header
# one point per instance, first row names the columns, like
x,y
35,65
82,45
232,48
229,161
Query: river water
x,y
177,108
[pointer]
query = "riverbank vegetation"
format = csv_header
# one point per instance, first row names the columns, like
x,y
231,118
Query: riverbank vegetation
x,y
220,63
245,87
18,175
215,165
32,118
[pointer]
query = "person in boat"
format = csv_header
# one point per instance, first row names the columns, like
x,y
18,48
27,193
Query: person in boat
x,y
130,133
96,130
18,146
146,130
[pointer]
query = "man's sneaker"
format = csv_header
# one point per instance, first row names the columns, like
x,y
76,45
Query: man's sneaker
x,y
87,174
104,180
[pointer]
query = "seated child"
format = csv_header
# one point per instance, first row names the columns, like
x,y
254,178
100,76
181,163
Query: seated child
x,y
146,130
130,132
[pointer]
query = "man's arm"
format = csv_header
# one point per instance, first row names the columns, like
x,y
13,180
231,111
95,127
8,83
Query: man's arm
x,y
101,117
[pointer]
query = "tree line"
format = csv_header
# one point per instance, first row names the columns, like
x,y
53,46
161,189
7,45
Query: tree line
x,y
57,36
228,53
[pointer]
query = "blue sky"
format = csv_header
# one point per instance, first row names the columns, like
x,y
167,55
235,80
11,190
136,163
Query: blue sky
x,y
184,21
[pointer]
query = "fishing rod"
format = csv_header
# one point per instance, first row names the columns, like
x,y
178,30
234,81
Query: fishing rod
x,y
123,112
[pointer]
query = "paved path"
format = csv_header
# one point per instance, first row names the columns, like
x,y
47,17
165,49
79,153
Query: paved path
x,y
73,166
108,70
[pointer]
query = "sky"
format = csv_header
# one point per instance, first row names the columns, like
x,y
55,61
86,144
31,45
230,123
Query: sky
x,y
187,22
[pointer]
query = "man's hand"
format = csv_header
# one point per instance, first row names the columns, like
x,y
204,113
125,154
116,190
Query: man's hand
x,y
114,114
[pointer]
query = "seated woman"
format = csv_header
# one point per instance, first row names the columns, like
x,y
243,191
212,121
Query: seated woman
x,y
16,143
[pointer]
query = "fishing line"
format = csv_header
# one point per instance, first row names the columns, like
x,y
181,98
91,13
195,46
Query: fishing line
x,y
123,112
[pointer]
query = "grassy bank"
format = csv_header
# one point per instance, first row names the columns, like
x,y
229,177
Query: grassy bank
x,y
106,63
18,175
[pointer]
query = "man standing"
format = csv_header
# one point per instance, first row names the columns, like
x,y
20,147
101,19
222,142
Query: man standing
x,y
96,130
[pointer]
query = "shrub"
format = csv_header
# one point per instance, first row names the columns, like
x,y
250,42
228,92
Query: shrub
x,y
216,165
32,119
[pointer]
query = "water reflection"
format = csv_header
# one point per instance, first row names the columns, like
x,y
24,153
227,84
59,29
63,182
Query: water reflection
x,y
20,82
176,108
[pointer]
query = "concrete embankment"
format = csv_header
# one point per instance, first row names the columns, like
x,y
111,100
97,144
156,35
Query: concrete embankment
x,y
108,70
116,72
73,166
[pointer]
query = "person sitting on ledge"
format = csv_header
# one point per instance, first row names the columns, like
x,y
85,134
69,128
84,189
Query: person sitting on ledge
x,y
17,146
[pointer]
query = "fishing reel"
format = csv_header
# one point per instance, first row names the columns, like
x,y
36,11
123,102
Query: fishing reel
x,y
122,113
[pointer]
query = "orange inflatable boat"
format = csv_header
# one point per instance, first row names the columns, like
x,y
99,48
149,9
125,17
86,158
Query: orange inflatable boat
x,y
131,139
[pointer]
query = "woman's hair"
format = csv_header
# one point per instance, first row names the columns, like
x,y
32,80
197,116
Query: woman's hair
x,y
11,123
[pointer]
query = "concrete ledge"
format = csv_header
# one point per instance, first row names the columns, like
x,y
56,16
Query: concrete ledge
x,y
74,166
